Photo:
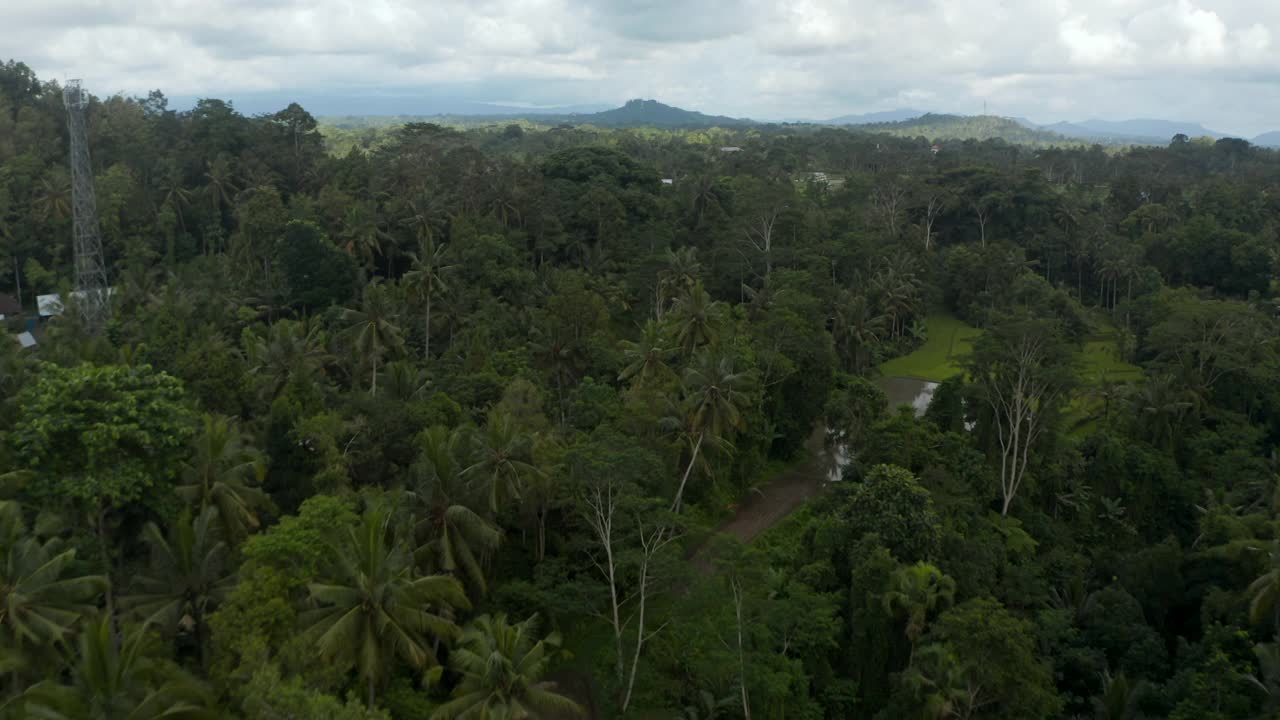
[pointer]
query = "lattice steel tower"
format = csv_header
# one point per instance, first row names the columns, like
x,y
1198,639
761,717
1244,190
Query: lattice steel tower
x,y
92,297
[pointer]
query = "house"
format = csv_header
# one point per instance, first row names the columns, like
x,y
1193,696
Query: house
x,y
730,149
9,306
668,181
935,149
26,339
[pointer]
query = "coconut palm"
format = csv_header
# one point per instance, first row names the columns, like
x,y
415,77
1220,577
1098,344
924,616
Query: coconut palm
x,y
373,328
363,234
646,358
225,473
52,200
220,184
915,592
121,678
680,271
714,391
502,456
501,665
371,605
695,318
291,350
427,278
857,330
1120,697
171,191
189,575
41,597
1264,592
457,538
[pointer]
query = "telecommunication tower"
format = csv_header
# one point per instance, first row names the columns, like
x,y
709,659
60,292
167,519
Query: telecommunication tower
x,y
92,296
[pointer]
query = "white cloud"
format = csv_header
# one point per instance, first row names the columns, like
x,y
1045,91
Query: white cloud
x,y
1209,60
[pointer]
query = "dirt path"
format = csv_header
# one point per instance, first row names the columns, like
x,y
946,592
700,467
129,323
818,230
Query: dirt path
x,y
770,503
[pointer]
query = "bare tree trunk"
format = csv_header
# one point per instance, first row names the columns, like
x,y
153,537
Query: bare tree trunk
x,y
675,506
742,657
426,332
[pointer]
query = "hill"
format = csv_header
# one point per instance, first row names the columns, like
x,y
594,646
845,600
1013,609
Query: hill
x,y
883,116
651,113
968,127
1145,131
1271,139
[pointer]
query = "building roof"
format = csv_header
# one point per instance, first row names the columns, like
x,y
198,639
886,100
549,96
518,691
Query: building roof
x,y
9,306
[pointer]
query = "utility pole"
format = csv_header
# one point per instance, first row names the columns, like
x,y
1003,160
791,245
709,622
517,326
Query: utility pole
x,y
92,298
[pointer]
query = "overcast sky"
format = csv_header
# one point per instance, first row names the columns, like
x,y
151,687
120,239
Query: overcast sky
x,y
1213,61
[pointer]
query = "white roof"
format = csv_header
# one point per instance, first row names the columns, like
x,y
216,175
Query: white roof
x,y
26,339
49,305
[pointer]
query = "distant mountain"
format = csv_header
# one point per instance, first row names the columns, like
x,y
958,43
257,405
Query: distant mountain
x,y
940,128
651,113
1271,139
405,104
1155,132
884,116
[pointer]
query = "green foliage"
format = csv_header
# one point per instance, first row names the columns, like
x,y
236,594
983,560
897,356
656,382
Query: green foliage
x,y
102,435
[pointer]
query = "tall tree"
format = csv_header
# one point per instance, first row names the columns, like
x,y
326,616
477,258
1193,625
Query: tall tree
x,y
373,329
225,473
429,276
502,665
372,606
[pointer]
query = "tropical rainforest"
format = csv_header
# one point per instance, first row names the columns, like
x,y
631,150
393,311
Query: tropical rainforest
x,y
501,423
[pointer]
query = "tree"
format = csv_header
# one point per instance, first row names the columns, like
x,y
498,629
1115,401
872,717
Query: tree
x,y
891,504
42,598
458,537
106,438
225,473
714,391
501,665
695,319
289,351
371,605
189,575
121,678
373,329
603,506
427,278
990,664
915,592
319,274
1022,369
646,358
503,455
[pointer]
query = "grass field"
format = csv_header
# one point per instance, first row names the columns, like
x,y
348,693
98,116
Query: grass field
x,y
950,339
939,358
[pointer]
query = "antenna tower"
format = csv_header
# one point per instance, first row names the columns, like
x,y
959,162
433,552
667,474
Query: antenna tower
x,y
91,274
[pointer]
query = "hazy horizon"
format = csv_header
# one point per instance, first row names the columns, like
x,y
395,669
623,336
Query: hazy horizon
x,y
1180,60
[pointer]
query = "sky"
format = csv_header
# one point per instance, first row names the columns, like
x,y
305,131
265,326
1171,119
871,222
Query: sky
x,y
1212,61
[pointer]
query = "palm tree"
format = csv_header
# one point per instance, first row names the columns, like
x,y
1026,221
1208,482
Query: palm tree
x,y
502,455
224,473
189,576
121,678
372,606
362,233
41,599
714,391
1120,697
426,279
646,359
695,318
916,591
501,667
373,328
1161,406
456,536
220,181
857,329
1264,592
172,193
291,350
53,196
681,270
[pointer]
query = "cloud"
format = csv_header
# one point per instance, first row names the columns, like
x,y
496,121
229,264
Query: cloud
x,y
1205,60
